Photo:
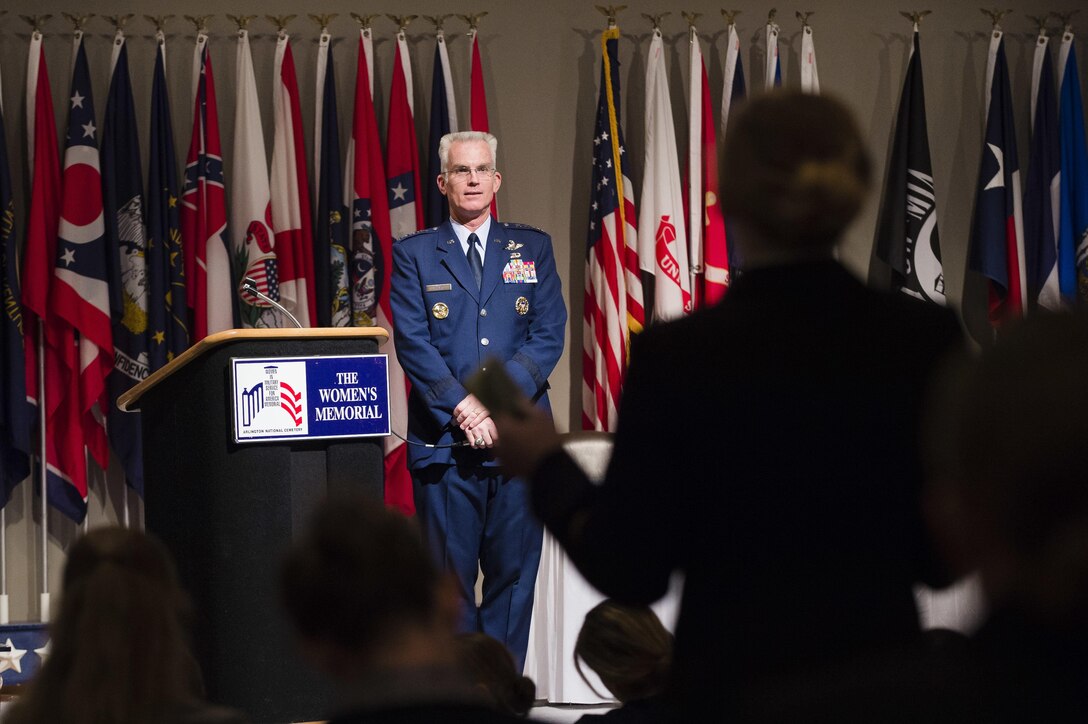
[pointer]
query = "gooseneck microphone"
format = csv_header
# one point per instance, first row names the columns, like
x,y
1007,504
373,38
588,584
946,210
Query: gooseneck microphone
x,y
250,287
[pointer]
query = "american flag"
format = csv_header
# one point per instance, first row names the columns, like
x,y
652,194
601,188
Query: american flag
x,y
263,273
613,294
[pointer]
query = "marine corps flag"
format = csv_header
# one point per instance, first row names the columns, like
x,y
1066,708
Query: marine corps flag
x,y
16,413
210,293
167,310
907,239
1073,211
1041,192
254,252
290,186
123,200
331,280
663,244
78,331
610,308
997,247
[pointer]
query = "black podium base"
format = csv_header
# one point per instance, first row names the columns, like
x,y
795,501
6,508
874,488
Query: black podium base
x,y
226,511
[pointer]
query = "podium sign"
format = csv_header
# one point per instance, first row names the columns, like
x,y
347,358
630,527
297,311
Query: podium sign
x,y
287,398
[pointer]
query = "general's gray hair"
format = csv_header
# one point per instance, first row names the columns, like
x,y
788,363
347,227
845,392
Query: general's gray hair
x,y
465,137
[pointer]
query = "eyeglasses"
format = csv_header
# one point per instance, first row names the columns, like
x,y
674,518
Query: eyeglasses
x,y
463,173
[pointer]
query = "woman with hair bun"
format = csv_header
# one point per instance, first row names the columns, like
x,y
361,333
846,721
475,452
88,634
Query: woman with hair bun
x,y
766,446
119,653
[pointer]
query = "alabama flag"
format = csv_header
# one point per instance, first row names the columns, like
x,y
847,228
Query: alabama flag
x,y
291,194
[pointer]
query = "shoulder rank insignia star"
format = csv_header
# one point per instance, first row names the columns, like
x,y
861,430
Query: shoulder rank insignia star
x,y
512,245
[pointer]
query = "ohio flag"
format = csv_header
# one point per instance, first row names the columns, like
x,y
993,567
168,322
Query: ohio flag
x,y
78,329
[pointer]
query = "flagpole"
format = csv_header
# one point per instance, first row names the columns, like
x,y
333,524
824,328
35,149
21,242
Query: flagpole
x,y
43,599
4,618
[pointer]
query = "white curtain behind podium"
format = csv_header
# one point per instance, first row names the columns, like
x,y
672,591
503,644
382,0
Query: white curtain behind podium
x,y
563,597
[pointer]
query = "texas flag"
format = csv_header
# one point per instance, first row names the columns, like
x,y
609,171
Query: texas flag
x,y
291,194
402,154
997,248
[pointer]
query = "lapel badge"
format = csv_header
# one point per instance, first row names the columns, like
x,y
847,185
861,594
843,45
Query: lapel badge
x,y
441,311
451,242
515,255
521,306
513,246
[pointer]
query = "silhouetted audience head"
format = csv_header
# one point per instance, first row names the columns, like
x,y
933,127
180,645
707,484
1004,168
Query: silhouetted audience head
x,y
119,652
358,577
628,648
490,666
795,173
1009,493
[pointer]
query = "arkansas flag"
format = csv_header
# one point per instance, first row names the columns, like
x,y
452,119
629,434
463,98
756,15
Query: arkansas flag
x,y
78,330
250,200
663,244
204,210
997,247
290,185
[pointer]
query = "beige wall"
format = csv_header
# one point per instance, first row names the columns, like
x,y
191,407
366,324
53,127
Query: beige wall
x,y
542,68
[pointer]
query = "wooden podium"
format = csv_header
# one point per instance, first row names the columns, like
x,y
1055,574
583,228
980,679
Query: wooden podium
x,y
227,510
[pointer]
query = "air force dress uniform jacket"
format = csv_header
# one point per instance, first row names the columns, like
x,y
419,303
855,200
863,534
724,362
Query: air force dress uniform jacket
x,y
445,328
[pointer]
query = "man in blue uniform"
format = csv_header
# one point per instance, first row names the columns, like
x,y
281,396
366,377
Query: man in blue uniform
x,y
468,291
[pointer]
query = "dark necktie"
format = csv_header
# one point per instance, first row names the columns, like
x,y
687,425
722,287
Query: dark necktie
x,y
475,261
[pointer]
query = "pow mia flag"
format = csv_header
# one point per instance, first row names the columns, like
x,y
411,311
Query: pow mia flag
x,y
907,238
